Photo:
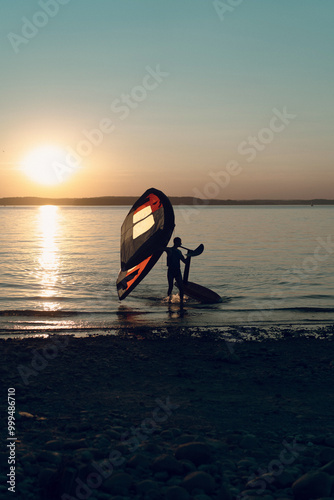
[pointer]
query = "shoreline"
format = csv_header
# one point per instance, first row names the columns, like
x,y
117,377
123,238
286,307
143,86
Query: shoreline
x,y
228,333
80,401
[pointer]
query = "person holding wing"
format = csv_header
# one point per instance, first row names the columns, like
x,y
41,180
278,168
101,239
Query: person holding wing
x,y
174,258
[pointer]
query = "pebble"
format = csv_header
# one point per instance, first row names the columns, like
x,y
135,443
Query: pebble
x,y
201,497
85,455
187,466
199,479
329,441
112,434
167,463
54,444
249,442
329,468
176,493
161,476
139,460
312,485
224,493
118,484
326,455
174,464
198,453
74,444
147,485
167,435
184,438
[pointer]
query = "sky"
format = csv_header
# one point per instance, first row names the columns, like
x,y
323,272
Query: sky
x,y
228,99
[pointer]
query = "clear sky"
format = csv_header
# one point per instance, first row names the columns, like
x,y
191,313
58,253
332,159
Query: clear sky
x,y
225,98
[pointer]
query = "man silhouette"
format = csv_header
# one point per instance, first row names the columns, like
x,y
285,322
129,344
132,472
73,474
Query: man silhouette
x,y
174,257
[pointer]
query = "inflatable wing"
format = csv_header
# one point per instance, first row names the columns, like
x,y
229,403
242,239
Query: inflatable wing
x,y
145,233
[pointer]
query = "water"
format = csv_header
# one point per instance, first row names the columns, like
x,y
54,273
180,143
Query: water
x,y
272,265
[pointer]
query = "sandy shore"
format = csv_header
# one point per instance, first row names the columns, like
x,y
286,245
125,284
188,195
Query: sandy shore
x,y
115,418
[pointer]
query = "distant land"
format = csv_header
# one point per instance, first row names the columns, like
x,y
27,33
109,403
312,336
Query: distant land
x,y
129,201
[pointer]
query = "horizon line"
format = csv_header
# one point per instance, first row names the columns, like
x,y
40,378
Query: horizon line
x,y
129,200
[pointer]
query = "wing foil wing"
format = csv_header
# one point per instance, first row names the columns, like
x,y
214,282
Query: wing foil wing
x,y
145,233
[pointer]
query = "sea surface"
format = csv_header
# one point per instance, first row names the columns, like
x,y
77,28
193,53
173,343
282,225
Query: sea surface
x,y
271,265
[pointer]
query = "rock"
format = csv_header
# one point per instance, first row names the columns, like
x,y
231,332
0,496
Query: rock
x,y
326,455
174,481
285,479
85,455
329,468
246,463
249,442
250,495
102,442
161,476
185,438
329,441
74,444
198,453
282,480
112,434
202,497
118,484
187,466
168,464
166,435
176,493
26,415
232,437
224,493
138,460
312,485
147,485
54,445
199,479
83,427
151,448
150,495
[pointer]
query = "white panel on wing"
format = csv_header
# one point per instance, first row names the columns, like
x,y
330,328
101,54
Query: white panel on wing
x,y
142,226
144,212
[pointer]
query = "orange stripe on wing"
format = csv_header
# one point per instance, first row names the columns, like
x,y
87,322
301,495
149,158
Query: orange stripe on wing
x,y
138,269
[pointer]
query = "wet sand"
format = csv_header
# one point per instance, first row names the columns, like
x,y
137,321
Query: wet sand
x,y
133,400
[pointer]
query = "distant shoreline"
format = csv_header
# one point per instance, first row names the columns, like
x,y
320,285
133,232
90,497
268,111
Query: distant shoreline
x,y
129,200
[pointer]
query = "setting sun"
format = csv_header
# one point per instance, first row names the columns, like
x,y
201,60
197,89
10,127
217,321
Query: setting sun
x,y
41,165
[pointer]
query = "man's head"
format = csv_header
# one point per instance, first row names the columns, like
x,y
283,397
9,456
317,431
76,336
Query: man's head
x,y
177,242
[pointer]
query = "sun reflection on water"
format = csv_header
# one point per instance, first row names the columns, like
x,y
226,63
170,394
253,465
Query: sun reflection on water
x,y
49,257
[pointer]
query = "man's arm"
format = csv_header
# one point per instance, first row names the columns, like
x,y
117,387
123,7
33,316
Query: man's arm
x,y
184,260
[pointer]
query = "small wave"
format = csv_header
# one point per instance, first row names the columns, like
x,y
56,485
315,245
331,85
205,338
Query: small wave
x,y
310,309
37,313
314,296
285,309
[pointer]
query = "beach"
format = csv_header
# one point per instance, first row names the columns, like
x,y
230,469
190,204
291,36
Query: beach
x,y
149,416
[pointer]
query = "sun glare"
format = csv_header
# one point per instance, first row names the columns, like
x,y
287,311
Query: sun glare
x,y
42,165
48,270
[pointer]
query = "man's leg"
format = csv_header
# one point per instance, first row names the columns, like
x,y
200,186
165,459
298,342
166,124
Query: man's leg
x,y
179,281
170,277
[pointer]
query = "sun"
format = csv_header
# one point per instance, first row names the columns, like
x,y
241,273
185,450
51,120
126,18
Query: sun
x,y
46,165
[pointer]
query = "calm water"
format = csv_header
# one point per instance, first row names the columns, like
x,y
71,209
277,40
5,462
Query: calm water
x,y
271,265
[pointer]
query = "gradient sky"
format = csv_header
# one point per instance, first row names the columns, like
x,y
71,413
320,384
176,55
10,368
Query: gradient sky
x,y
241,104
